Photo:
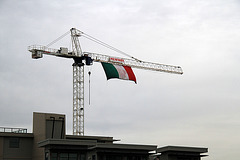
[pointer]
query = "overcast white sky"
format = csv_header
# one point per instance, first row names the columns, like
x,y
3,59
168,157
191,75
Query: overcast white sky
x,y
199,108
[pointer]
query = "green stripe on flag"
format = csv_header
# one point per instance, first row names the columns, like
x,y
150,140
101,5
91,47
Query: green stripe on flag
x,y
110,70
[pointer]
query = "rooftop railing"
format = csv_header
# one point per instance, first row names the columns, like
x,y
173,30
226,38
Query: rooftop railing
x,y
13,130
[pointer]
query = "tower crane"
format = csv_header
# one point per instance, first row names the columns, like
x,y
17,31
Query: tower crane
x,y
87,58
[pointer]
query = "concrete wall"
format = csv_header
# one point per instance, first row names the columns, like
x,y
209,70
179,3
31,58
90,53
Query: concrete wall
x,y
22,152
39,129
46,126
1,147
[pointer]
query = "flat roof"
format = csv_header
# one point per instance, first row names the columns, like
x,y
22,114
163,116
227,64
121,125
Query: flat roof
x,y
93,144
10,134
125,146
65,142
182,149
98,138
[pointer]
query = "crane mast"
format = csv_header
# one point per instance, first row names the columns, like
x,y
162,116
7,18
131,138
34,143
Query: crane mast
x,y
85,58
78,85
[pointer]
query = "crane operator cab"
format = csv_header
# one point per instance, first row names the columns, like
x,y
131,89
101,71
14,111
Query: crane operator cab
x,y
63,50
88,60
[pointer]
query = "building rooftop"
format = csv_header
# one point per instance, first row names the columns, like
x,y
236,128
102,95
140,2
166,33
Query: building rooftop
x,y
102,139
9,134
182,149
13,130
126,146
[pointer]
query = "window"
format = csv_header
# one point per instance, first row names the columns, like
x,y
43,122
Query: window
x,y
113,157
54,156
82,157
64,156
67,156
72,156
184,158
136,158
13,142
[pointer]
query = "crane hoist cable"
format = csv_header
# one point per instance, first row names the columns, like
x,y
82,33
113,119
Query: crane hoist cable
x,y
89,89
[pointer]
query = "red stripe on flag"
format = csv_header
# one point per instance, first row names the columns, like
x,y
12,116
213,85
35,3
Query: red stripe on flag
x,y
130,73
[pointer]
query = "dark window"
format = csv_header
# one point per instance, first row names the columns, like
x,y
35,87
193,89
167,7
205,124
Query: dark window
x,y
82,157
72,156
54,156
14,142
63,156
113,157
66,156
136,158
184,158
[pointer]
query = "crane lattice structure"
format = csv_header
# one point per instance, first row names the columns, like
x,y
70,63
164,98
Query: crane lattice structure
x,y
86,58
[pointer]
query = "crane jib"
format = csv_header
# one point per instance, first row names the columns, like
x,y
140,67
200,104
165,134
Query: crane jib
x,y
38,51
114,59
135,63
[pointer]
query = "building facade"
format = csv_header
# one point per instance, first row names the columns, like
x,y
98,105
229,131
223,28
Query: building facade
x,y
50,142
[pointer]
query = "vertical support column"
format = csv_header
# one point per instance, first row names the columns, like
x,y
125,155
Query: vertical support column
x,y
78,99
78,85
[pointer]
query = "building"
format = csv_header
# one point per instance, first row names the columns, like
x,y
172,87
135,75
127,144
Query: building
x,y
50,142
181,153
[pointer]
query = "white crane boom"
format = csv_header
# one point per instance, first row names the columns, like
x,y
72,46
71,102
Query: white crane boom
x,y
38,50
135,63
86,58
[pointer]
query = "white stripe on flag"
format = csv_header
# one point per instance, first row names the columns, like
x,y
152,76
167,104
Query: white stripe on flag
x,y
122,72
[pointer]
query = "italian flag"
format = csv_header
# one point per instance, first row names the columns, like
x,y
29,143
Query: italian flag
x,y
118,71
